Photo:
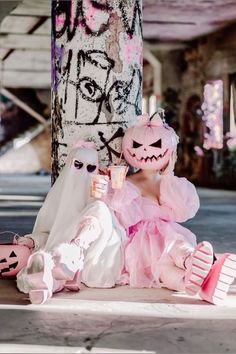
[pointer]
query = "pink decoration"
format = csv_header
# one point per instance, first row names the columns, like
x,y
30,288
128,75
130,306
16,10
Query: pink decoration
x,y
12,259
150,143
213,115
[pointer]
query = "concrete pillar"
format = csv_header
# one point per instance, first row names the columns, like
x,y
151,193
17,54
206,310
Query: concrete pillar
x,y
96,74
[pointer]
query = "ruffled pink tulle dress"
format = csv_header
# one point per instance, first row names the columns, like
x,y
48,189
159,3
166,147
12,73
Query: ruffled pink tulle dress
x,y
153,227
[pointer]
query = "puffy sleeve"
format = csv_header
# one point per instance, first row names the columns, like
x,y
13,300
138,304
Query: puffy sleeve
x,y
179,197
125,202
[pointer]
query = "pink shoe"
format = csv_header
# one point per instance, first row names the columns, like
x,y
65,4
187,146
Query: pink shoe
x,y
68,261
221,276
39,275
75,284
198,266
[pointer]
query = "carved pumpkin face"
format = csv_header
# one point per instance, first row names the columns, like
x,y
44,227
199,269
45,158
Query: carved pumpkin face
x,y
149,144
12,259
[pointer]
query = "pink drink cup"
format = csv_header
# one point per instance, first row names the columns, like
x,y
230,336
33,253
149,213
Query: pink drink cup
x,y
97,179
118,174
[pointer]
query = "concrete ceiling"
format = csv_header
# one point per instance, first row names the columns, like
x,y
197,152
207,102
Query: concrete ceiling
x,y
185,20
25,44
6,7
25,32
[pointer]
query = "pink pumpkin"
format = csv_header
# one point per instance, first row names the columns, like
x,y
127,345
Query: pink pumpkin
x,y
12,259
149,144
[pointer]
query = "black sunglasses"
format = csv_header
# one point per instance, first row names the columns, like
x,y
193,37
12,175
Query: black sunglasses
x,y
79,165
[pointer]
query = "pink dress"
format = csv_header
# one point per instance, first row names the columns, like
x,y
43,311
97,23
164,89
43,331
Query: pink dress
x,y
152,228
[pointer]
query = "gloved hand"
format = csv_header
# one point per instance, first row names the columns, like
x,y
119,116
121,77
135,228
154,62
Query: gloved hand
x,y
24,241
99,185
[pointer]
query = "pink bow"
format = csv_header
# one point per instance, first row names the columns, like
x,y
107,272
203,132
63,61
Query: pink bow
x,y
82,143
144,120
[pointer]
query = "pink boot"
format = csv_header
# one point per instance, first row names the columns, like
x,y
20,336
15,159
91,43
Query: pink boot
x,y
221,276
75,283
198,265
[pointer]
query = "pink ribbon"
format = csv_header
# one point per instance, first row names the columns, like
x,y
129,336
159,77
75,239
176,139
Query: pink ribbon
x,y
144,120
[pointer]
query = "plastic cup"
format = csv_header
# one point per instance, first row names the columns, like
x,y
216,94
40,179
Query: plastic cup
x,y
95,179
117,174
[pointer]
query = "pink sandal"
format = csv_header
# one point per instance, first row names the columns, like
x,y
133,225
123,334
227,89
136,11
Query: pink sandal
x,y
39,275
221,276
199,265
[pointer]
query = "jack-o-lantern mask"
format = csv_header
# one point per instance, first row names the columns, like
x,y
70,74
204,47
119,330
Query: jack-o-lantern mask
x,y
12,259
149,144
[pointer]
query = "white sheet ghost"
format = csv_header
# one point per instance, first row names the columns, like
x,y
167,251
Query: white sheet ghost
x,y
67,198
70,212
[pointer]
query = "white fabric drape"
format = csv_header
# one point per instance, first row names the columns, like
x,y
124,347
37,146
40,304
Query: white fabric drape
x,y
66,199
70,212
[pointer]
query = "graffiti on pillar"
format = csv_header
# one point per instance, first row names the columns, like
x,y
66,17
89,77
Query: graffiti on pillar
x,y
57,56
55,155
57,133
91,18
132,14
96,73
106,143
91,84
94,16
119,95
93,70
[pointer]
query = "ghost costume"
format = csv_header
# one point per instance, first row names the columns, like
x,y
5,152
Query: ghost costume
x,y
79,227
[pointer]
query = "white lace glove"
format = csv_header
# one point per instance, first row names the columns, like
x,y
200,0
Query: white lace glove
x,y
24,241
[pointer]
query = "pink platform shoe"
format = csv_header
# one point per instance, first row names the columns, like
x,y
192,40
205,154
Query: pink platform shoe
x,y
68,261
39,275
198,266
221,276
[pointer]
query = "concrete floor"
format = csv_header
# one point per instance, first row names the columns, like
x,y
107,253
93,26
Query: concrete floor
x,y
119,320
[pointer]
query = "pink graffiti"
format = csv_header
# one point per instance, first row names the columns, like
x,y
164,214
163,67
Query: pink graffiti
x,y
95,17
90,15
60,20
133,50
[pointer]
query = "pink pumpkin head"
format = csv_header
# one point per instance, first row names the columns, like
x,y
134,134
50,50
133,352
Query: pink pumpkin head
x,y
149,144
12,259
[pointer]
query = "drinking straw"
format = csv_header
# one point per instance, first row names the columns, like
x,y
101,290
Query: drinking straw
x,y
120,158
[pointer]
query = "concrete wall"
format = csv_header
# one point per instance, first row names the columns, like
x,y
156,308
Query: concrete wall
x,y
210,58
184,74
